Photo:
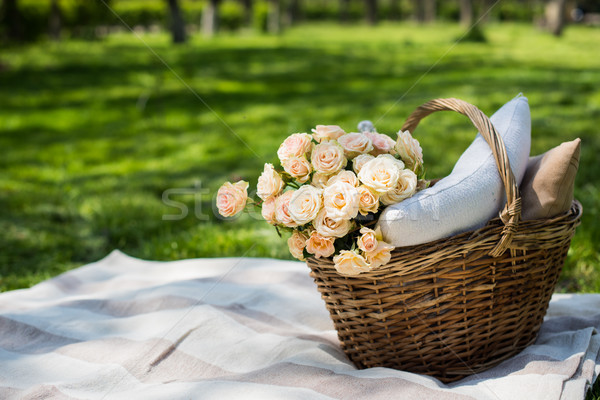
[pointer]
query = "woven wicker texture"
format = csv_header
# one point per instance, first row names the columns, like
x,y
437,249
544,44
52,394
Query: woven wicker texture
x,y
456,306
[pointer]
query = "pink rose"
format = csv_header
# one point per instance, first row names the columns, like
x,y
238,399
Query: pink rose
x,y
327,132
296,244
282,212
355,144
350,263
328,158
231,198
381,255
269,184
296,145
298,167
367,242
382,144
320,246
268,211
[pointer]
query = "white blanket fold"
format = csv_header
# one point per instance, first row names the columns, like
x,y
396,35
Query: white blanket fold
x,y
124,328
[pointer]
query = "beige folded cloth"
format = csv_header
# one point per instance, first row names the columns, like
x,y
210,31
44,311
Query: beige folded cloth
x,y
240,328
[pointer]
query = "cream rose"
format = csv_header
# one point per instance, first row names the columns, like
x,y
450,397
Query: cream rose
x,y
268,211
382,144
269,184
319,180
295,145
282,213
406,187
297,243
320,246
298,167
305,204
409,150
327,132
328,227
355,144
381,255
231,198
368,201
350,263
328,158
380,174
340,201
359,161
344,176
367,242
399,163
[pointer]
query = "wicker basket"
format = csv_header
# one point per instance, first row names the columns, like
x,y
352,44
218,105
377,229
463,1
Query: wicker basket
x,y
455,306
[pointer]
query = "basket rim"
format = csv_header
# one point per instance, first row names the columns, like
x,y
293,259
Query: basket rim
x,y
484,238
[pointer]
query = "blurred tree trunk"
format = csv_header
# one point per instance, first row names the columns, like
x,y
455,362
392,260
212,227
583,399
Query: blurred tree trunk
x,y
344,10
177,22
210,18
429,12
248,13
419,11
486,6
425,10
293,12
55,20
11,16
555,16
274,19
395,11
372,12
466,12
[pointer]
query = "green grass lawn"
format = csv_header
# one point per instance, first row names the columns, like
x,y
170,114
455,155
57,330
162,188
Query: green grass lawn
x,y
93,133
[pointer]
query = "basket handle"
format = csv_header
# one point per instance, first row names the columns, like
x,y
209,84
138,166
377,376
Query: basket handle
x,y
511,214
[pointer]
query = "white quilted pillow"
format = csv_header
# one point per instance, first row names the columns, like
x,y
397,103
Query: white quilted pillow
x,y
471,195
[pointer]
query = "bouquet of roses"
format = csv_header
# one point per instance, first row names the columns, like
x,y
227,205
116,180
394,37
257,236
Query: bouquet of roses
x,y
330,191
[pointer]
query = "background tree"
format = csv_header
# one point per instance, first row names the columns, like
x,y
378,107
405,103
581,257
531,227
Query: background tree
x,y
555,16
395,10
293,12
372,12
274,18
12,19
424,10
466,12
248,12
55,22
344,10
177,22
210,18
472,17
430,10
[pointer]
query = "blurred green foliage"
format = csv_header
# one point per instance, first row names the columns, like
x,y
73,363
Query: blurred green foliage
x,y
80,18
95,134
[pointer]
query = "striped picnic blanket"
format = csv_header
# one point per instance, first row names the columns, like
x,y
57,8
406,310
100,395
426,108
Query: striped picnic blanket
x,y
240,328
